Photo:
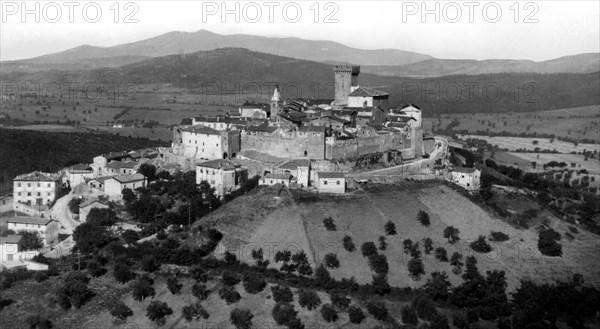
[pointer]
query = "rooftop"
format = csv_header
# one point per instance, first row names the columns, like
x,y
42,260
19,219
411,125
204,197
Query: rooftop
x,y
28,220
37,176
102,179
10,239
130,178
317,129
277,176
250,105
91,202
186,122
200,129
409,106
259,156
218,164
367,92
119,165
295,163
262,128
330,174
464,170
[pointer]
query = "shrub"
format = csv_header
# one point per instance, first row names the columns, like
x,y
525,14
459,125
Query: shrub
x,y
379,264
547,243
331,261
284,313
229,295
41,276
339,300
157,311
282,294
173,285
120,311
451,233
194,311
356,314
122,273
390,228
39,322
283,256
481,245
254,283
441,254
407,245
329,224
378,310
427,245
150,264
348,244
415,252
382,243
409,315
309,299
423,218
456,262
142,289
328,312
230,279
498,236
416,268
368,249
380,284
241,318
198,274
425,307
200,291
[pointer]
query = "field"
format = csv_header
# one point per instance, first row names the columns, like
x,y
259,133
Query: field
x,y
362,215
516,143
575,123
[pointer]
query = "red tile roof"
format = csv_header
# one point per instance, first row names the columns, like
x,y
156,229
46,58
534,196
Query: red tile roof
x,y
367,92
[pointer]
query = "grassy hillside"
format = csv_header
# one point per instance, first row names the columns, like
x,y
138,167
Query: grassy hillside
x,y
25,151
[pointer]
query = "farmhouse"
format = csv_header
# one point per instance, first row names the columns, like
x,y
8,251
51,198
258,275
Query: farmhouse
x,y
78,174
298,169
224,175
331,182
36,188
12,257
98,182
84,208
466,177
121,168
114,186
368,97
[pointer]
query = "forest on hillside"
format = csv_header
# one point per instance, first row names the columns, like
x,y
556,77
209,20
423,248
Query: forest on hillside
x,y
23,151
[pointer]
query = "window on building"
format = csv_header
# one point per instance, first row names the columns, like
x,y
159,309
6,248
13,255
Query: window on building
x,y
28,184
338,182
49,194
463,176
19,184
19,194
48,184
324,182
28,193
39,194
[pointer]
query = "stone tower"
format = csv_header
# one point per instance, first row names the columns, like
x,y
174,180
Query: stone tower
x,y
346,77
275,104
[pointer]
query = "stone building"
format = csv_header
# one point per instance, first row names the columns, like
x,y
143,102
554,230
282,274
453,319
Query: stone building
x,y
346,80
36,188
255,110
223,175
331,182
469,178
114,186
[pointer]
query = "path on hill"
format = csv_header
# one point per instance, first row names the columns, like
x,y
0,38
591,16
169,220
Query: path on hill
x,y
60,212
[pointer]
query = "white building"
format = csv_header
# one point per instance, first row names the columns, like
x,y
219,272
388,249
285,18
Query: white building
x,y
201,143
98,182
367,97
299,169
31,224
78,174
84,208
12,257
255,110
273,179
36,188
469,178
114,186
9,248
121,168
331,182
413,111
223,175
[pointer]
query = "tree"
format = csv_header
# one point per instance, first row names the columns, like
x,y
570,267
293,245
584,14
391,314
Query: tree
x,y
409,315
241,318
120,312
339,300
322,276
456,262
378,310
148,170
331,261
142,289
547,244
284,313
308,299
101,216
200,291
498,236
368,249
254,283
480,245
425,307
229,295
122,273
230,278
382,243
30,240
38,322
441,254
282,294
356,314
416,268
128,196
173,285
329,224
328,313
379,264
380,284
74,205
390,228
89,237
427,245
451,233
348,244
194,311
74,290
157,311
423,218
283,256
149,263
438,286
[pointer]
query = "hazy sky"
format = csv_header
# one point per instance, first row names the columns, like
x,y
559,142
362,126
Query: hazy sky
x,y
537,30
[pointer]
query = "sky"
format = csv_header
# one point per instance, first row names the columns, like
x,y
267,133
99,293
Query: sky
x,y
536,30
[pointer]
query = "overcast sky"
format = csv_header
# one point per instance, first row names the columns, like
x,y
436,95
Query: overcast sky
x,y
543,29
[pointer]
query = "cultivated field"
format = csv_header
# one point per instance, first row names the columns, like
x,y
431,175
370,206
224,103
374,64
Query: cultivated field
x,y
577,123
516,143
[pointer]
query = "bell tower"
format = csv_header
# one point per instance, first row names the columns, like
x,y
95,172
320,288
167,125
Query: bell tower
x,y
275,104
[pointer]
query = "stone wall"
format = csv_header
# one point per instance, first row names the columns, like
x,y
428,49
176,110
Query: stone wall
x,y
354,148
311,146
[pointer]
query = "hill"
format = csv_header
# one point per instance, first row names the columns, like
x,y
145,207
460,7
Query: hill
x,y
203,40
24,151
231,70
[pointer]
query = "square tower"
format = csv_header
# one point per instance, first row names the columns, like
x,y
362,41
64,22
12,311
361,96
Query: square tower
x,y
346,77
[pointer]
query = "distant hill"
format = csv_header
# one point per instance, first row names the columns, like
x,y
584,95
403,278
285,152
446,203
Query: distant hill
x,y
227,67
23,151
583,63
202,40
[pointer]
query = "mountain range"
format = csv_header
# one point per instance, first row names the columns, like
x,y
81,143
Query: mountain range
x,y
385,62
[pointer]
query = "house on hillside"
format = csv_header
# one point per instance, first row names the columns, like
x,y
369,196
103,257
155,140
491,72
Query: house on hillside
x,y
469,178
13,257
30,224
222,174
114,186
273,179
98,182
84,208
9,247
299,169
121,168
255,110
331,182
78,174
36,188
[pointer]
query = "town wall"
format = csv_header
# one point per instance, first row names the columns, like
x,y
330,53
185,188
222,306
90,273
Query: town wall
x,y
311,146
354,148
